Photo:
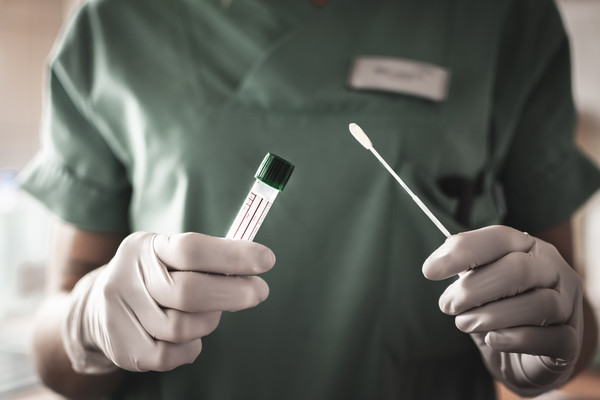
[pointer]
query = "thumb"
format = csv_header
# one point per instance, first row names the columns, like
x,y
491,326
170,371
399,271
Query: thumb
x,y
468,250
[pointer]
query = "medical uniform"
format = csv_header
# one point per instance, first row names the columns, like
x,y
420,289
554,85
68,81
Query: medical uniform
x,y
158,113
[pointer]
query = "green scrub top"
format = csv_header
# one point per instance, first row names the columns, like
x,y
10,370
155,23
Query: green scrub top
x,y
158,113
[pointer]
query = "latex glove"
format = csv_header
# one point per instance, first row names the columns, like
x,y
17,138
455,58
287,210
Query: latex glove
x,y
150,306
520,301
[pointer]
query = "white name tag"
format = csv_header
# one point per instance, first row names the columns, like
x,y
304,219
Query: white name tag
x,y
399,76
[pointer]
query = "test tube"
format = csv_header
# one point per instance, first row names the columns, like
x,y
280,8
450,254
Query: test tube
x,y
271,177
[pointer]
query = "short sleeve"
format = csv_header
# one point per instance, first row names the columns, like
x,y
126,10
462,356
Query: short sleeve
x,y
76,174
545,177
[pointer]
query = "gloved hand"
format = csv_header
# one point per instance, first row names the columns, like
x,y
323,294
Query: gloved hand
x,y
149,307
520,301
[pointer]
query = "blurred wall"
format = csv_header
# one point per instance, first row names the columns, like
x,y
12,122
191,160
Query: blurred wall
x,y
27,31
582,20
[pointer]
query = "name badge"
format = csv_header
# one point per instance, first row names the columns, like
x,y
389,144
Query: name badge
x,y
399,76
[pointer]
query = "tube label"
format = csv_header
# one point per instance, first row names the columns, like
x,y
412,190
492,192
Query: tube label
x,y
250,217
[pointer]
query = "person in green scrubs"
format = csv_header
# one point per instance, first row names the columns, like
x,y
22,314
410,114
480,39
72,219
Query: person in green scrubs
x,y
157,114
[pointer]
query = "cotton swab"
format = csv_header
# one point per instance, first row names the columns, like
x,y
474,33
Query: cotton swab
x,y
363,139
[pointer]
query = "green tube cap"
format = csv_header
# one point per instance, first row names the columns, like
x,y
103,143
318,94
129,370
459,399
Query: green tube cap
x,y
274,171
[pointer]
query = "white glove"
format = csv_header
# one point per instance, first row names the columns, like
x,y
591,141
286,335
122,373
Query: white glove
x,y
149,307
520,301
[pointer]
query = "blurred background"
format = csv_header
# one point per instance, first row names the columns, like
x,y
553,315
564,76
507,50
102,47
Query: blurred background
x,y
28,29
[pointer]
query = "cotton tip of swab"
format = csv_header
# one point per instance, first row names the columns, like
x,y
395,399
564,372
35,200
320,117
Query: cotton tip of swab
x,y
360,135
